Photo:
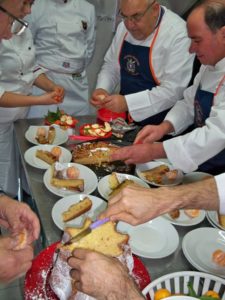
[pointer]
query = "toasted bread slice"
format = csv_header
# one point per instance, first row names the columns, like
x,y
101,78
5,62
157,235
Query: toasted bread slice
x,y
70,184
77,209
46,156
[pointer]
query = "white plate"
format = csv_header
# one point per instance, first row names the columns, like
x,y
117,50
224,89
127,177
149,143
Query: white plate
x,y
212,217
98,205
153,164
198,246
32,160
90,181
60,138
154,239
195,176
103,185
184,220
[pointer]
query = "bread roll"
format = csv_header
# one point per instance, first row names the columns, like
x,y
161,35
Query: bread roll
x,y
77,209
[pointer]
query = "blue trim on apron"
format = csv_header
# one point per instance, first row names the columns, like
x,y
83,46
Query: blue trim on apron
x,y
135,73
202,106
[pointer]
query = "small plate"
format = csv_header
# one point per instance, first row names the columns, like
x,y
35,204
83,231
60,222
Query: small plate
x,y
154,239
198,246
104,189
195,176
90,181
184,220
60,138
153,164
212,217
98,205
32,160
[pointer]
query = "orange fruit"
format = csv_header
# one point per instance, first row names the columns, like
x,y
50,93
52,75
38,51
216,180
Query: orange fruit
x,y
161,293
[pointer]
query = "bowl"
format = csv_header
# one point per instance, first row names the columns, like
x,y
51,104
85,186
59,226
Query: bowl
x,y
106,115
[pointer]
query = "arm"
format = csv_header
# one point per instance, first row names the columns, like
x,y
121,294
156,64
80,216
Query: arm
x,y
102,277
137,205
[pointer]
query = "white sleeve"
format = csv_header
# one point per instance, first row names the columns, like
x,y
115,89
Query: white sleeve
x,y
91,36
188,151
220,182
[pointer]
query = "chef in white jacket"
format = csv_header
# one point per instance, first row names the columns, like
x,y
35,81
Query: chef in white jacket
x,y
18,73
203,104
64,37
150,60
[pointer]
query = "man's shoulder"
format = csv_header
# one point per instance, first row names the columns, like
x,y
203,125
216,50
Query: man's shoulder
x,y
173,20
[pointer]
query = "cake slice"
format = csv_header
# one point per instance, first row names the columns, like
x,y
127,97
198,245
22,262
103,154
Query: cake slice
x,y
46,156
70,184
77,209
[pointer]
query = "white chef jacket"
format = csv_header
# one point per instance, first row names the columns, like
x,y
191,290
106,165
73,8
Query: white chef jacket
x,y
17,74
171,61
220,182
64,36
188,151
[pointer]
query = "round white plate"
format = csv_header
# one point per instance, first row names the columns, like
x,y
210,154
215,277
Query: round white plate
x,y
90,181
32,160
154,239
198,246
60,138
212,217
98,205
195,176
185,220
104,189
153,164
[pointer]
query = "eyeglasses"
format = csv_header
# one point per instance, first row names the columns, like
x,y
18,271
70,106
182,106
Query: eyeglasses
x,y
136,17
18,26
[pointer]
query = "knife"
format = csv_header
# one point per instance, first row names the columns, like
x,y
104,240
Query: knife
x,y
86,231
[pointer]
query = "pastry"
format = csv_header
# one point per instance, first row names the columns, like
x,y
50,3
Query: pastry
x,y
46,156
77,209
155,175
51,135
70,184
122,185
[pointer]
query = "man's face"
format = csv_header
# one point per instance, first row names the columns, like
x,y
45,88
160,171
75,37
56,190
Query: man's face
x,y
207,45
147,14
14,7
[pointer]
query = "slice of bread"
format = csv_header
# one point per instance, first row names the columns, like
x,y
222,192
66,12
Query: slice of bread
x,y
113,181
121,186
77,209
70,184
46,156
104,239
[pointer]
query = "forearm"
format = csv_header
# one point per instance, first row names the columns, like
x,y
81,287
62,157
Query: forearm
x,y
44,83
9,99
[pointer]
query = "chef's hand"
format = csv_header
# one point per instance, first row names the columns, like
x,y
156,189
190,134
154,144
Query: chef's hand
x,y
102,277
13,263
59,93
152,133
97,98
17,216
116,103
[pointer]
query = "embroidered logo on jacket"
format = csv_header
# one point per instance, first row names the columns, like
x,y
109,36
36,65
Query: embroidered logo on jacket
x,y
131,64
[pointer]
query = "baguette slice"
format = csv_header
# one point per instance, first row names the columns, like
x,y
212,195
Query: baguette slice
x,y
77,209
104,239
70,184
46,156
51,134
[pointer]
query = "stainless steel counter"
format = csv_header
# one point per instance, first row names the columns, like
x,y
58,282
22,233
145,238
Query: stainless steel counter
x,y
44,201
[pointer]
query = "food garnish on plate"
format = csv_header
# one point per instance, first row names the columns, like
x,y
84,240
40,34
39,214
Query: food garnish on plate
x,y
44,136
160,174
67,178
77,209
218,257
50,157
96,130
191,213
60,118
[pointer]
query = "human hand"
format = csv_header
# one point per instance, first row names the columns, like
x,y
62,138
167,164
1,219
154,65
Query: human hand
x,y
101,276
13,263
116,103
97,97
149,134
17,216
59,93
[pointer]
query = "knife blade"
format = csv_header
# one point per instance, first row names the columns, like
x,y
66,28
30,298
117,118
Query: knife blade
x,y
86,231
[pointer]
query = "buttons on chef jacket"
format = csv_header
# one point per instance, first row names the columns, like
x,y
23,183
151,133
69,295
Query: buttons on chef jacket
x,y
29,48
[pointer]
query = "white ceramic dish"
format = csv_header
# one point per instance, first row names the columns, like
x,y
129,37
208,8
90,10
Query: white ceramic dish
x,y
198,246
103,185
154,239
153,164
185,220
90,181
212,217
61,136
98,205
32,160
195,176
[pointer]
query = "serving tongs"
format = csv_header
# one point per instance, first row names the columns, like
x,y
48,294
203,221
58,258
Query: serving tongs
x,y
120,127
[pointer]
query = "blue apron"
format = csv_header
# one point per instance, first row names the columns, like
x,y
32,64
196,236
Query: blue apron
x,y
202,106
136,75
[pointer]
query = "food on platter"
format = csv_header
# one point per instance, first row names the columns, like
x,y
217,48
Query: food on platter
x,y
77,209
21,240
192,213
44,136
174,214
49,157
104,239
60,178
221,220
96,130
160,173
218,257
60,118
94,153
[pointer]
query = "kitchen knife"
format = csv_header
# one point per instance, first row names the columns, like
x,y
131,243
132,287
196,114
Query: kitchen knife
x,y
86,231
